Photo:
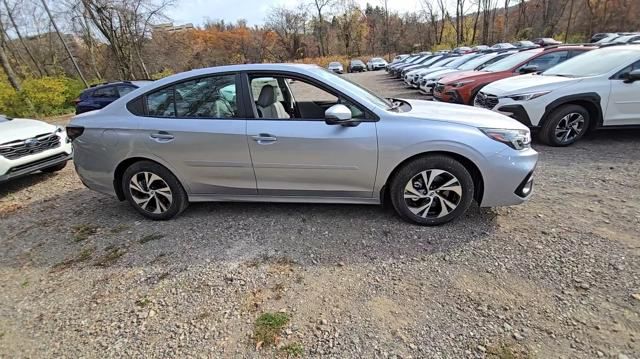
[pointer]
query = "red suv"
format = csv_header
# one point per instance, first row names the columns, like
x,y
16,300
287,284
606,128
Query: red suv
x,y
462,87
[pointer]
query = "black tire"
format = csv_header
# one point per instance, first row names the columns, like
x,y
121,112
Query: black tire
x,y
56,168
431,162
179,201
547,133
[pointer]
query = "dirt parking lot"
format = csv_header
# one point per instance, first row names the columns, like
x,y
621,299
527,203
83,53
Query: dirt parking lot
x,y
83,275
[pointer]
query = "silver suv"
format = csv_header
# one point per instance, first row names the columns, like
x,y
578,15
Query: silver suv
x,y
298,133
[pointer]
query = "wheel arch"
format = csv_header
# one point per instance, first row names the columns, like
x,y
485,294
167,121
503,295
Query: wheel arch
x,y
589,100
126,163
471,166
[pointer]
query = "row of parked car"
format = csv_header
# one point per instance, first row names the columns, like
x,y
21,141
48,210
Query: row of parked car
x,y
560,91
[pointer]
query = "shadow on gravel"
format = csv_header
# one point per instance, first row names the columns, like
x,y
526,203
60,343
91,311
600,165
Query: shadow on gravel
x,y
17,184
82,229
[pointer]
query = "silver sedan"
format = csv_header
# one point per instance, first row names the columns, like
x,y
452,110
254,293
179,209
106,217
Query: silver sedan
x,y
298,133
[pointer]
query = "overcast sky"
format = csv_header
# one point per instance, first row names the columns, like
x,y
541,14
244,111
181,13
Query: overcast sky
x,y
254,11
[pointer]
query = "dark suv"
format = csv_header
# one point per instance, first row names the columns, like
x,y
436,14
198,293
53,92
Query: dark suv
x,y
100,95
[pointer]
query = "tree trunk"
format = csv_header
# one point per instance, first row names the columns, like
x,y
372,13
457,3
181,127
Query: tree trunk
x,y
505,28
64,43
566,33
8,70
26,48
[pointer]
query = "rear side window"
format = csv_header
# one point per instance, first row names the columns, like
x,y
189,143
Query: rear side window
x,y
107,91
206,97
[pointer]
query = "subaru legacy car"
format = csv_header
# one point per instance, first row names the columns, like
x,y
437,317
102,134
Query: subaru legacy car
x,y
298,133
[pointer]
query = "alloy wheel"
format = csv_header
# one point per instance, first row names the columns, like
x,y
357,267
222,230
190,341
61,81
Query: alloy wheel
x,y
433,193
150,192
569,127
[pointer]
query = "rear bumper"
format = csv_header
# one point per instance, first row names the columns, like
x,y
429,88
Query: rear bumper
x,y
25,169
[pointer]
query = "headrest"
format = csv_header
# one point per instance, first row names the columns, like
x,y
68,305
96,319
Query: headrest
x,y
267,96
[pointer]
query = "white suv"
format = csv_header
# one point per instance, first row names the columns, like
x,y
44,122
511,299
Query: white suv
x,y
600,88
27,146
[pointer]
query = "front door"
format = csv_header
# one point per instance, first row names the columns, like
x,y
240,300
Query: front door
x,y
195,126
295,153
624,100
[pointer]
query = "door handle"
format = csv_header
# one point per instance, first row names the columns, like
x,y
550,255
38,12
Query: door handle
x,y
264,138
161,136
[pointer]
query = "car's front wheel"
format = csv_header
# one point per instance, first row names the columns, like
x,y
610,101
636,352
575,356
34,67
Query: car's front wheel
x,y
153,191
565,126
432,190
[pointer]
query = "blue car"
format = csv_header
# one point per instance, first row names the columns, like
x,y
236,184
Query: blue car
x,y
99,96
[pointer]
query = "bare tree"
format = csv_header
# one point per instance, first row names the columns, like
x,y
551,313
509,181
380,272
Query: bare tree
x,y
16,29
321,6
288,24
64,43
505,26
8,70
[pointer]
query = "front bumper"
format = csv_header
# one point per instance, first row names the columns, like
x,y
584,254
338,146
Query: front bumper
x,y
25,169
448,95
508,177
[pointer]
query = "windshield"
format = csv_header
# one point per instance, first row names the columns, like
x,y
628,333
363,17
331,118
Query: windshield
x,y
511,61
594,63
334,64
3,118
351,87
457,61
473,63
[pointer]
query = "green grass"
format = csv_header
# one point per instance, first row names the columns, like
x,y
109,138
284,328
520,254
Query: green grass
x,y
83,255
151,237
293,350
268,326
82,232
110,257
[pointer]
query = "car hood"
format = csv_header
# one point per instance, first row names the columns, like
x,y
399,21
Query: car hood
x,y
528,83
440,74
22,128
461,114
466,75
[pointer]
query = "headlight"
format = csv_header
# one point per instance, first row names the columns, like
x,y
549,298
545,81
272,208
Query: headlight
x,y
516,139
462,83
527,96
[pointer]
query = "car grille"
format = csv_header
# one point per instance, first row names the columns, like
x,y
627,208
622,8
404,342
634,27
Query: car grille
x,y
17,149
439,87
485,100
37,163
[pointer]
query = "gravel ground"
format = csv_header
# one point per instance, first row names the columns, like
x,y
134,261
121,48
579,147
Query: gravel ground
x,y
82,275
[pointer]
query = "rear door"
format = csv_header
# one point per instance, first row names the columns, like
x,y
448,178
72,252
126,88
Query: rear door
x,y
624,100
299,154
198,128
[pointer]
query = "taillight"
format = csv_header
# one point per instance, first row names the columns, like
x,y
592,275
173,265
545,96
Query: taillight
x,y
74,132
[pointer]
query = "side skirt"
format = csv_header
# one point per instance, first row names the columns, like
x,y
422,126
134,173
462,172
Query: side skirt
x,y
281,199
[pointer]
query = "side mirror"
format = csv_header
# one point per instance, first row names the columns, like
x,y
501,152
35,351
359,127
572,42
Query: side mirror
x,y
632,76
338,115
528,69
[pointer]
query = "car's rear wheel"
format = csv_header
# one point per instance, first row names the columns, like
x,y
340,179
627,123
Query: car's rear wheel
x,y
55,168
565,126
432,190
153,191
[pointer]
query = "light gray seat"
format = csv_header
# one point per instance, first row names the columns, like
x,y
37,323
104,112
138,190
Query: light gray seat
x,y
268,104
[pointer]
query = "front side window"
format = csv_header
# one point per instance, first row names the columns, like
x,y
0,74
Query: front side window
x,y
279,97
546,61
205,97
621,74
594,63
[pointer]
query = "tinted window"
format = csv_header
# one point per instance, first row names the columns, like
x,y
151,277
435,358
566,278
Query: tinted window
x,y
210,97
207,97
160,103
108,91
